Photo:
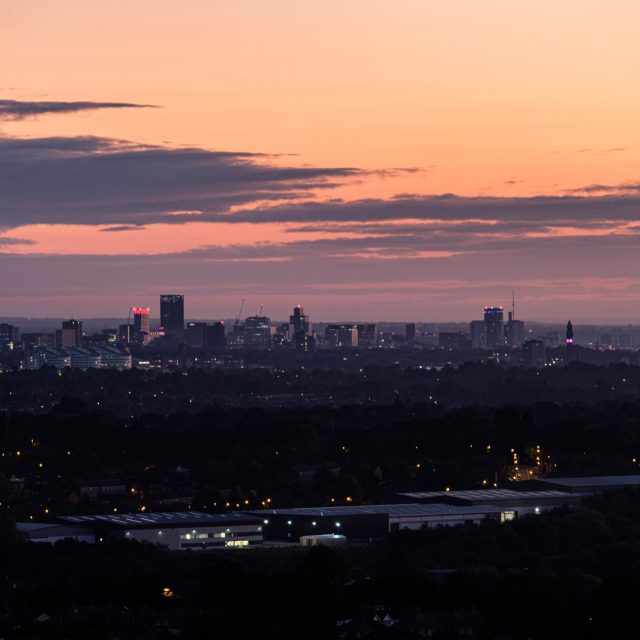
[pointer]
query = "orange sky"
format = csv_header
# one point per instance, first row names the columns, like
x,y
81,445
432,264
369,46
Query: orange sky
x,y
494,98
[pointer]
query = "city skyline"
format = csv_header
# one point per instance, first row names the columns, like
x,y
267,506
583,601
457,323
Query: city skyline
x,y
421,167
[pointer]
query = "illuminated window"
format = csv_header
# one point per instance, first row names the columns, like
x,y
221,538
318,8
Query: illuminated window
x,y
505,516
236,543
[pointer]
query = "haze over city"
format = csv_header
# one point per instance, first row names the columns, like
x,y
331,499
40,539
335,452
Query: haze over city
x,y
409,161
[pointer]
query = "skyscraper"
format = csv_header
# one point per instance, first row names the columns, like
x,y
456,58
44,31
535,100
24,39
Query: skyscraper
x,y
514,332
172,314
299,321
300,327
494,321
478,330
140,323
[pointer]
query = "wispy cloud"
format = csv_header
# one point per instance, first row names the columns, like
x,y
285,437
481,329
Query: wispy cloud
x,y
23,109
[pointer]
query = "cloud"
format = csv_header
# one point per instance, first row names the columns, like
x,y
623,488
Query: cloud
x,y
534,210
123,227
122,185
604,151
21,109
6,241
102,181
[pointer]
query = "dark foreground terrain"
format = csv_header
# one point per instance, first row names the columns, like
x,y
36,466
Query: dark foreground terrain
x,y
169,445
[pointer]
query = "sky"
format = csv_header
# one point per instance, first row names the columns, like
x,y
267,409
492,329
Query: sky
x,y
370,160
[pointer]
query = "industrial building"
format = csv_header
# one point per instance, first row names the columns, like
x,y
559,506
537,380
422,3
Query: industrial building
x,y
177,530
590,484
51,532
520,502
367,522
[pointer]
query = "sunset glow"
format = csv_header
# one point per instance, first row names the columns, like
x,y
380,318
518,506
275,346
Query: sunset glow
x,y
394,161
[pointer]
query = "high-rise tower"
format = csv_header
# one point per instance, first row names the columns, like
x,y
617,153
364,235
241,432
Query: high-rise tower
x,y
494,321
140,323
172,314
301,330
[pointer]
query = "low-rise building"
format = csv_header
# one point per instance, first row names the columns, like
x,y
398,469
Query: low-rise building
x,y
177,530
518,502
365,522
591,484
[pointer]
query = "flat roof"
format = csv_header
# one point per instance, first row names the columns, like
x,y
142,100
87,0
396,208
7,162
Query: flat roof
x,y
165,519
392,510
488,494
592,481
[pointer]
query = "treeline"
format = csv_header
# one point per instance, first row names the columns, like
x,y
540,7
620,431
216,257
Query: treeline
x,y
133,392
237,458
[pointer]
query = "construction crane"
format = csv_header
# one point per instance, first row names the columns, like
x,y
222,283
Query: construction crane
x,y
239,316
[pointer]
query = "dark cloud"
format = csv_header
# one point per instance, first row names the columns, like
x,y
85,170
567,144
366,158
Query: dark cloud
x,y
123,227
21,109
99,181
92,180
7,241
556,210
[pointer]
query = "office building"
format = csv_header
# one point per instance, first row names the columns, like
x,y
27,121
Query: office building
x,y
367,335
125,333
214,337
478,330
257,332
300,330
452,340
172,315
514,332
534,354
341,335
299,321
494,321
410,331
114,357
70,335
82,358
194,334
49,356
304,341
9,334
38,340
141,325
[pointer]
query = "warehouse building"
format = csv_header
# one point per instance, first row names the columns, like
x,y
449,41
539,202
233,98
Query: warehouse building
x,y
367,522
51,532
590,484
520,502
177,530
